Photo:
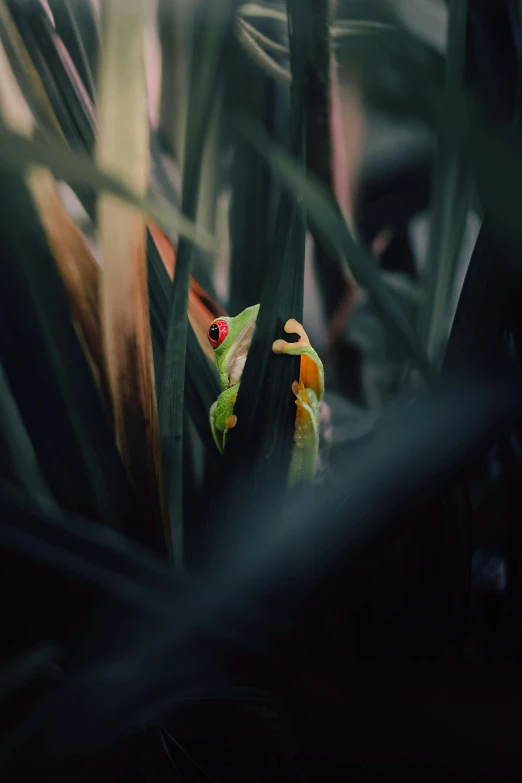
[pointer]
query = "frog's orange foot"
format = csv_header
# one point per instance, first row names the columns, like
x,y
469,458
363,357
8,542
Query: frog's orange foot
x,y
299,390
291,327
294,327
231,422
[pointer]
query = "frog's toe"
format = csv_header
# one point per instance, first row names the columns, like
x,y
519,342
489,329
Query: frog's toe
x,y
279,346
296,388
231,422
294,327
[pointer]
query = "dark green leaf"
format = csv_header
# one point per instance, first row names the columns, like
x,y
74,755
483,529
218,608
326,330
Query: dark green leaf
x,y
18,463
77,27
16,153
452,192
266,405
200,376
327,220
57,73
212,29
330,270
49,376
71,103
245,595
254,193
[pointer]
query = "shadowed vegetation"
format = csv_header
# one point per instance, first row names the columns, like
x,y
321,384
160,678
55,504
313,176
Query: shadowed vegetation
x,y
171,613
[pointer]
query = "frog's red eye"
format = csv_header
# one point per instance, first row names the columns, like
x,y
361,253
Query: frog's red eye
x,y
217,333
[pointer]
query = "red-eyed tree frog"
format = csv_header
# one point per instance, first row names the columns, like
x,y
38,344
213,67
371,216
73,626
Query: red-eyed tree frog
x,y
231,339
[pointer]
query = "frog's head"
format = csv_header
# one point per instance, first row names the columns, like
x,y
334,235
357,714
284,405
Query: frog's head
x,y
230,339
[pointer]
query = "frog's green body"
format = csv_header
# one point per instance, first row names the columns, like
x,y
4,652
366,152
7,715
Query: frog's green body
x,y
231,338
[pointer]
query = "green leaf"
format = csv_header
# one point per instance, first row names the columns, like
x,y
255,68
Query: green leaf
x,y
452,193
325,216
213,26
77,26
268,43
351,27
123,145
485,299
259,55
48,373
330,271
254,192
258,449
201,379
262,12
48,77
18,463
17,153
175,26
17,34
69,100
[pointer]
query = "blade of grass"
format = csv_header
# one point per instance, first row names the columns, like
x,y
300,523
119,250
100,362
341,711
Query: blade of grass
x,y
210,186
484,301
13,40
326,218
350,27
175,28
325,141
77,27
262,12
18,463
261,56
452,193
81,273
254,193
48,57
492,283
49,376
62,80
212,29
246,594
265,406
202,383
47,76
58,81
16,153
77,266
264,40
123,147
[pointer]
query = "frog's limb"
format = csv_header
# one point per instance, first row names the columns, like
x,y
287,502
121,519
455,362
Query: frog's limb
x,y
222,417
309,391
305,451
311,373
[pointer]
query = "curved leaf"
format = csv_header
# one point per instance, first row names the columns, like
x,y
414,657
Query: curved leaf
x,y
17,152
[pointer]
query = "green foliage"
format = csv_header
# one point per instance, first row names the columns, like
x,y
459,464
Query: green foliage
x,y
211,33
245,116
49,375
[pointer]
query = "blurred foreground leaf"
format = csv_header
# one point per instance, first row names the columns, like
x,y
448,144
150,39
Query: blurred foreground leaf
x,y
123,147
16,153
256,577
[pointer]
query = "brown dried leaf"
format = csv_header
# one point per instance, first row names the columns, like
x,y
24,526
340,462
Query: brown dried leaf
x,y
123,148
